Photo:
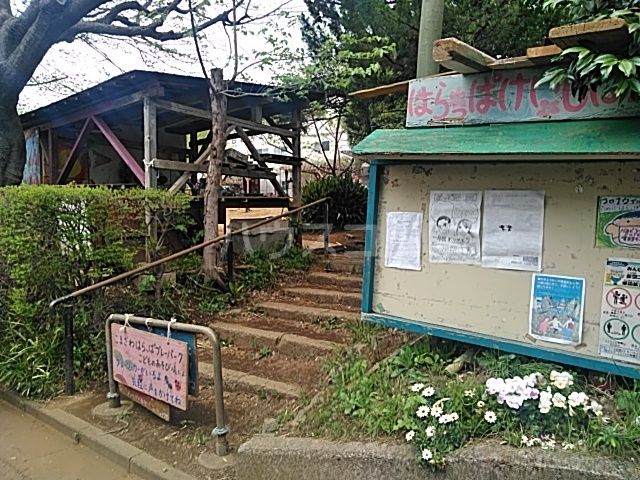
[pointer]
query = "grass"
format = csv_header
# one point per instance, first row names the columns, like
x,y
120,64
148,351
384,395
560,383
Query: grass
x,y
374,402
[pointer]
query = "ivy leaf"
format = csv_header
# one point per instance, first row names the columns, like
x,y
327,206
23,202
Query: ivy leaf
x,y
627,67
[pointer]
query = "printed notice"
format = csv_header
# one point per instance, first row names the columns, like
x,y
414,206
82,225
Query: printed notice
x,y
454,227
512,229
618,222
620,317
404,240
557,306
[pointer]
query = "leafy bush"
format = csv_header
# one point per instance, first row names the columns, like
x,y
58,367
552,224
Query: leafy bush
x,y
54,240
348,205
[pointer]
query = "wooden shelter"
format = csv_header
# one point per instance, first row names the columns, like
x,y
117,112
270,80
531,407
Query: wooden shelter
x,y
152,129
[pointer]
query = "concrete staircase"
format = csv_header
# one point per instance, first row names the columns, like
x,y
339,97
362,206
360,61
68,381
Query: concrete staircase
x,y
278,346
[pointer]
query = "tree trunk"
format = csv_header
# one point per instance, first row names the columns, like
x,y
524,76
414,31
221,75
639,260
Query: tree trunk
x,y
12,149
211,255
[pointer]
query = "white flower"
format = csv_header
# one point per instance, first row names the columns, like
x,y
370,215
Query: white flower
x,y
514,401
480,404
524,440
428,392
469,393
416,387
409,435
436,411
454,416
444,419
495,385
544,409
490,417
596,408
427,455
545,401
430,432
577,399
559,401
422,411
568,446
561,380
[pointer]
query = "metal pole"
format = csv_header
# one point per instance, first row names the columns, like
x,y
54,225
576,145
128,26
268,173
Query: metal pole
x,y
431,17
326,229
69,383
230,260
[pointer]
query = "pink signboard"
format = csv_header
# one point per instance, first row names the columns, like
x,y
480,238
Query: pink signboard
x,y
503,97
152,364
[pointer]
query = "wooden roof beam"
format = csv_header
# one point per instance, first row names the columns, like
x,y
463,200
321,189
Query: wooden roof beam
x,y
543,55
458,56
604,36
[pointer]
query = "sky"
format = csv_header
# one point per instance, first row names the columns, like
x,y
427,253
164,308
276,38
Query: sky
x,y
87,62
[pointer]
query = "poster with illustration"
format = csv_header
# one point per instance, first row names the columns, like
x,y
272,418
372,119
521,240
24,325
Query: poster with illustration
x,y
454,227
557,309
620,317
618,222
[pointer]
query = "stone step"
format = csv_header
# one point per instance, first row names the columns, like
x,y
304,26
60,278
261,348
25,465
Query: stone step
x,y
293,345
326,297
306,313
333,280
347,264
242,381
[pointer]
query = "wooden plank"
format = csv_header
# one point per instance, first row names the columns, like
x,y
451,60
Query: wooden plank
x,y
460,57
150,142
75,150
281,159
596,139
203,168
511,63
157,407
184,178
397,87
258,158
543,55
120,149
610,35
505,97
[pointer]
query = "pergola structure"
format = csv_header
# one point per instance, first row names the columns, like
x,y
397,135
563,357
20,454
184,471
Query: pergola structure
x,y
153,130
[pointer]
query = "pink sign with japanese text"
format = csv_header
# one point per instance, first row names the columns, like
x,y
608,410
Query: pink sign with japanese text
x,y
152,364
503,97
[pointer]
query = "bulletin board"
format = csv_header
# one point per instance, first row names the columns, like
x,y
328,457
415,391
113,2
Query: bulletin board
x,y
490,306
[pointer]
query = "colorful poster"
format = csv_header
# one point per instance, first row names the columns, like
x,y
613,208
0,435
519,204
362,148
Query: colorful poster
x,y
454,227
620,318
512,229
403,248
557,309
154,365
618,223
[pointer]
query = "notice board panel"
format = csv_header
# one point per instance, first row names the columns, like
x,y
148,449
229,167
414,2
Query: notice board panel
x,y
491,302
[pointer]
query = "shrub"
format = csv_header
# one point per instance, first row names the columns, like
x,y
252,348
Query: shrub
x,y
54,240
348,205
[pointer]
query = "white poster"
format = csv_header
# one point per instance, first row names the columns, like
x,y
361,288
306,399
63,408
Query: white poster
x,y
404,240
512,229
454,227
620,317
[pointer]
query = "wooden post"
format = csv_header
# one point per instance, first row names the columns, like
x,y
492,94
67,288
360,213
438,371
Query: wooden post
x,y
211,254
297,173
431,16
150,174
53,159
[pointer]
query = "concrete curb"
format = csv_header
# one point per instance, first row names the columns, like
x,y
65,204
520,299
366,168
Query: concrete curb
x,y
134,460
266,457
250,383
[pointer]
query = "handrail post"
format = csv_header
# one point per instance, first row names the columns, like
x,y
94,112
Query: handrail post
x,y
230,259
69,382
326,228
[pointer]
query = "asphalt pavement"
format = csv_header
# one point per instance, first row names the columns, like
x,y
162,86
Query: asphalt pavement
x,y
31,450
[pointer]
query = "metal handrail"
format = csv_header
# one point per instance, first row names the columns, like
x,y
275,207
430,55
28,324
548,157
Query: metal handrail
x,y
68,315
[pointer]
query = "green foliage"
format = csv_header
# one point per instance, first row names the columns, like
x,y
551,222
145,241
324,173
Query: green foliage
x,y
392,398
348,204
358,44
614,73
54,240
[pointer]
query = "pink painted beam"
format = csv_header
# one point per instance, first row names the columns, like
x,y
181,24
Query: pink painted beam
x,y
120,149
75,150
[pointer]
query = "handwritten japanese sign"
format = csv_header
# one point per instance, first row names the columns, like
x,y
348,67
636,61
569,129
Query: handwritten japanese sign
x,y
154,365
503,97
